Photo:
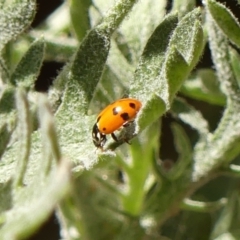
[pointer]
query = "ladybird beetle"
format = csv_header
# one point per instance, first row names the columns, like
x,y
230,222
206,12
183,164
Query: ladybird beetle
x,y
116,115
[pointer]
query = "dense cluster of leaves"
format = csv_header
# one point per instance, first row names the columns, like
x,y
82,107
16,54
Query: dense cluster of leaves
x,y
133,48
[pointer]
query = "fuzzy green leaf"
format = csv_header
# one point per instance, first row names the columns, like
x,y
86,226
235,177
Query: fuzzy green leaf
x,y
90,59
19,220
223,145
235,59
145,78
4,73
89,63
188,37
174,72
229,235
190,116
225,20
7,100
49,136
218,43
80,17
183,6
137,28
114,82
150,111
203,85
184,150
7,117
60,49
197,206
177,64
6,130
40,192
24,132
146,81
15,18
89,209
226,217
29,66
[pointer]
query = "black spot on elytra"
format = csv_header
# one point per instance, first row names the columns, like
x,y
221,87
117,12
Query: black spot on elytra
x,y
132,105
104,129
124,116
115,112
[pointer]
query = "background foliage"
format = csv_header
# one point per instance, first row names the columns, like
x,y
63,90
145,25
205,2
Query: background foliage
x,y
185,188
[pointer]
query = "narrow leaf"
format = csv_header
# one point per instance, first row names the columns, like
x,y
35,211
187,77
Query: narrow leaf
x,y
145,84
88,209
204,85
223,145
225,20
174,72
51,149
40,199
7,100
188,37
142,21
183,6
7,117
80,17
29,66
24,136
150,112
91,56
89,62
226,217
4,73
228,235
190,116
114,82
235,59
219,46
6,130
175,68
15,18
184,149
197,206
41,192
60,49
145,78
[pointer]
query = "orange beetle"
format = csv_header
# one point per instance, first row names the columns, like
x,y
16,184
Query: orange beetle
x,y
116,115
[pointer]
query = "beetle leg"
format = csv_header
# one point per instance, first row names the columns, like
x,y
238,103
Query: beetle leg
x,y
126,124
114,137
117,140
